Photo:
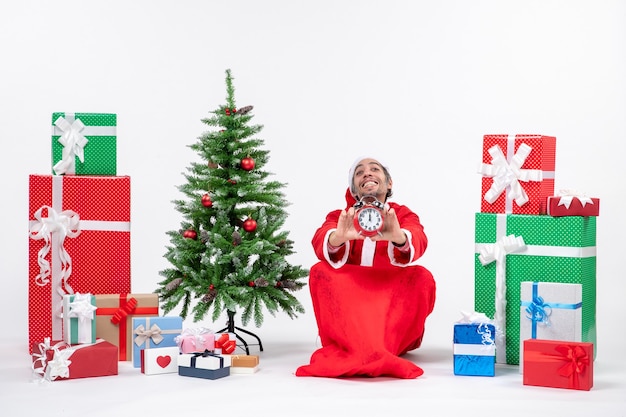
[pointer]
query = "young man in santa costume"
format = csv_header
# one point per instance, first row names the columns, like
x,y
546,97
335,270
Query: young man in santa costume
x,y
370,297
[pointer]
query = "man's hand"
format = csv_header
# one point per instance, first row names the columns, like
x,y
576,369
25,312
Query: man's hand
x,y
391,229
345,229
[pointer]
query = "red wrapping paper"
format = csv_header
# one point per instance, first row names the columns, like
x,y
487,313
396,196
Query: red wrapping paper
x,y
558,364
541,157
98,359
99,207
576,208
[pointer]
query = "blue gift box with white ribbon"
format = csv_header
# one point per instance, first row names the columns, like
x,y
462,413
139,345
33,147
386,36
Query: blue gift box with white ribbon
x,y
154,332
474,349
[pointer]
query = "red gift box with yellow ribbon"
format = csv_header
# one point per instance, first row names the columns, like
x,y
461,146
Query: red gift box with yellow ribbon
x,y
558,364
79,229
114,315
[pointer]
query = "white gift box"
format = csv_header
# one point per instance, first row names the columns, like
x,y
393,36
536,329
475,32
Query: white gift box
x,y
159,360
550,311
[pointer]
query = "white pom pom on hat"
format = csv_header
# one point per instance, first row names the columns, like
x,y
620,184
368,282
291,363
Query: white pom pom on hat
x,y
353,168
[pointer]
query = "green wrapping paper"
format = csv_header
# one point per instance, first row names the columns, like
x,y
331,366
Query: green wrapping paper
x,y
553,249
84,144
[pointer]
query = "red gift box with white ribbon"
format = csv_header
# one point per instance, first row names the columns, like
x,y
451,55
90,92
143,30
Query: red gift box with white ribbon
x,y
572,203
57,360
518,173
79,242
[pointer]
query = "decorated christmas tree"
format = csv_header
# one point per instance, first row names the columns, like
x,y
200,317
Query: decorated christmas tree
x,y
230,254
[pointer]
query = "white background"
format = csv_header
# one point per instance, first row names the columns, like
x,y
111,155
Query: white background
x,y
415,83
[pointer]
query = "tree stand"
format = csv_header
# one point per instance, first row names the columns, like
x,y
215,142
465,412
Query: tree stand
x,y
230,328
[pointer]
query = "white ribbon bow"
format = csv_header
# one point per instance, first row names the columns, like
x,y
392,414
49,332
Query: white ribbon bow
x,y
568,195
58,366
81,308
143,334
497,252
73,143
198,334
64,224
508,175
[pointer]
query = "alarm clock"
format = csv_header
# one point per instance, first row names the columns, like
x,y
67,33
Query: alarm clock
x,y
368,216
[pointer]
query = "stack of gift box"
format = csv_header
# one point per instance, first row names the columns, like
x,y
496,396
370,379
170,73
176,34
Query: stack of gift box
x,y
535,265
82,316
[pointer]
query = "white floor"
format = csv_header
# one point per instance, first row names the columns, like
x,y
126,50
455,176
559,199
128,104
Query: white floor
x,y
275,391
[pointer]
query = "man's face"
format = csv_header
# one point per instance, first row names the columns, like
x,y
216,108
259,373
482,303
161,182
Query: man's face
x,y
369,179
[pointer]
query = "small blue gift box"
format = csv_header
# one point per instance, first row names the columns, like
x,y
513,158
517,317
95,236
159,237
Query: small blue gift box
x,y
205,365
153,332
474,349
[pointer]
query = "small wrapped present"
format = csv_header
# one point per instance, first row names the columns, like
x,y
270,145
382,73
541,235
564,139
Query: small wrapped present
x,y
205,365
518,173
153,332
558,364
474,346
572,203
193,340
84,143
56,360
159,360
79,318
114,318
550,311
243,364
225,343
79,229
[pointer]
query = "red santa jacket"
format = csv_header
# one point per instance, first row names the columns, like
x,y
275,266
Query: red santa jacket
x,y
367,252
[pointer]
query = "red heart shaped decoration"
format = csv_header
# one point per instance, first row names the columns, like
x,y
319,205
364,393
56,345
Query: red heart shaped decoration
x,y
163,361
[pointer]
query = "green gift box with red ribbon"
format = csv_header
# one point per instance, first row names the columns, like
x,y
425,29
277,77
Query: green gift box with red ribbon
x,y
79,242
512,248
114,318
84,143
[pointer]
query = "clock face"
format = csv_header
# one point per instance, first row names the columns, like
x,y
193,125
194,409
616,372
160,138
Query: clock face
x,y
370,219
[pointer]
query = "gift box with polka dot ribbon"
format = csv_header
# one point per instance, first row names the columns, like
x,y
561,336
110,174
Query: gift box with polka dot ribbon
x,y
79,229
84,143
511,248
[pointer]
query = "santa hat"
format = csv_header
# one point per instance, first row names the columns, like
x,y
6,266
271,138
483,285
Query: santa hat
x,y
353,168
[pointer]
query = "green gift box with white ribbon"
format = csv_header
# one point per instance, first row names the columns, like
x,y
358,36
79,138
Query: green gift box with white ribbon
x,y
79,318
512,248
84,143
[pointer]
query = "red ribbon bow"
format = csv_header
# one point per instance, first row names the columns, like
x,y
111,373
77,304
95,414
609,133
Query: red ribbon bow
x,y
124,311
225,343
576,361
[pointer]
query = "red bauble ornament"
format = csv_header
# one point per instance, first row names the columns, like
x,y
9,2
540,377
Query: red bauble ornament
x,y
233,182
206,201
251,284
227,111
211,287
247,164
249,225
190,234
